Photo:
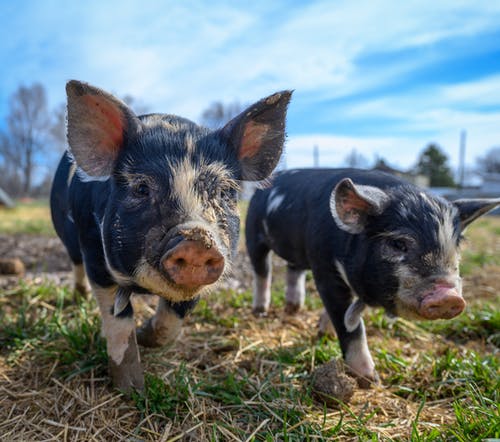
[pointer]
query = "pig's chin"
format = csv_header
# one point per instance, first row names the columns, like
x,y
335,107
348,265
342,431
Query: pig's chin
x,y
147,277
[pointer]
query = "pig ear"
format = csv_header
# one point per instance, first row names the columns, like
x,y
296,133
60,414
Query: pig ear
x,y
471,209
258,134
351,204
98,126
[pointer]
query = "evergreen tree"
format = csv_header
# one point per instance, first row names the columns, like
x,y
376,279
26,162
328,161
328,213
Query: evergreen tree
x,y
433,163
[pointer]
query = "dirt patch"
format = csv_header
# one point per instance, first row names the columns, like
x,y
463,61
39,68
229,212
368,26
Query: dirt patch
x,y
38,253
45,259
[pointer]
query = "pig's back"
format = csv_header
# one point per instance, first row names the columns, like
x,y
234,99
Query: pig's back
x,y
293,216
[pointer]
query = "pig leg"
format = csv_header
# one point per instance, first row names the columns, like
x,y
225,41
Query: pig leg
x,y
119,331
165,325
260,257
337,298
81,282
325,325
295,290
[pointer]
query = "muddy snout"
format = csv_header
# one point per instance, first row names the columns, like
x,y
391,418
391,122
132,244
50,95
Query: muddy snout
x,y
443,302
193,259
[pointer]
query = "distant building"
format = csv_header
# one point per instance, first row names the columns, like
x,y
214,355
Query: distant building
x,y
491,184
412,177
490,188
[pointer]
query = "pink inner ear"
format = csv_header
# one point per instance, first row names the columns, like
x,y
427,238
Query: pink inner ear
x,y
353,202
251,141
107,123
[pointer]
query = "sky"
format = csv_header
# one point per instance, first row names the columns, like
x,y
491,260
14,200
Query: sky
x,y
383,77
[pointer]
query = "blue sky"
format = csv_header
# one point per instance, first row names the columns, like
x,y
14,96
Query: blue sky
x,y
383,77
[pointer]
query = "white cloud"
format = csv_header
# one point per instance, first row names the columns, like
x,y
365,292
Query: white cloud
x,y
179,57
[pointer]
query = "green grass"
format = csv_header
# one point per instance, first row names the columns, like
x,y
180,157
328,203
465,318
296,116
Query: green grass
x,y
40,322
31,218
231,374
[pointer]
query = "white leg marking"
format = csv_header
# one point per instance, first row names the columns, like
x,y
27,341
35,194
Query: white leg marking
x,y
262,292
295,287
116,330
358,356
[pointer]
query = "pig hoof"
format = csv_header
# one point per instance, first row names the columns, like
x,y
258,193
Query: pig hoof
x,y
259,312
366,382
127,378
291,309
147,336
80,293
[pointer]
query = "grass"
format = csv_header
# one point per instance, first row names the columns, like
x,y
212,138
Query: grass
x,y
31,218
231,380
231,376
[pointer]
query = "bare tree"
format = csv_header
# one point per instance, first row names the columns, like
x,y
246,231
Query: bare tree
x,y
490,163
355,159
58,128
218,113
28,124
10,179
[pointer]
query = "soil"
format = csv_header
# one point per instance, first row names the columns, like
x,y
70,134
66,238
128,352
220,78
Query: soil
x,y
46,259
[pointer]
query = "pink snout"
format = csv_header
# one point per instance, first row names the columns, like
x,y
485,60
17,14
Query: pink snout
x,y
444,302
192,264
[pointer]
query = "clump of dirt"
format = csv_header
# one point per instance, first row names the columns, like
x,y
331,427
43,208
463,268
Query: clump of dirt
x,y
38,253
331,385
11,266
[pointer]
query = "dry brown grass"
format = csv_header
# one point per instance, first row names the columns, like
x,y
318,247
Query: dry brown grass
x,y
269,360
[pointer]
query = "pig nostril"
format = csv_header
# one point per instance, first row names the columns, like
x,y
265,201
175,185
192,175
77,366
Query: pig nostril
x,y
181,262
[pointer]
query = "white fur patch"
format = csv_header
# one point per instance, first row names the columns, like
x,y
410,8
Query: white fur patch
x,y
262,291
295,287
358,356
274,201
117,331
341,269
352,317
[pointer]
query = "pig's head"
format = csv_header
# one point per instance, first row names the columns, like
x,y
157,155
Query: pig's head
x,y
409,262
171,221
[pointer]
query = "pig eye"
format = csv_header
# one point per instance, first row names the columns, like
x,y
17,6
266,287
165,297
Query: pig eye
x,y
141,190
399,244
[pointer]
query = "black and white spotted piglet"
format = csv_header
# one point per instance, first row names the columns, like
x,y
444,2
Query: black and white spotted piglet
x,y
370,239
147,204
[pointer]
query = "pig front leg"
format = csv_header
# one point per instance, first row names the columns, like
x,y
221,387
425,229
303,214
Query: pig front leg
x,y
262,272
337,298
295,290
164,327
124,360
81,283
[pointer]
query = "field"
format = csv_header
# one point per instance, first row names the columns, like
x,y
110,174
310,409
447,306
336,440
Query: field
x,y
231,376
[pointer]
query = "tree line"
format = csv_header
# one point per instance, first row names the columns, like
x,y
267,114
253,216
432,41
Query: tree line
x,y
33,137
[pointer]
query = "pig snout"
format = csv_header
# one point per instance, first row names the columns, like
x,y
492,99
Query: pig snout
x,y
444,302
193,263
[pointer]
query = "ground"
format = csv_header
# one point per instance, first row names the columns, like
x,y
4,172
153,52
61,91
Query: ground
x,y
231,376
